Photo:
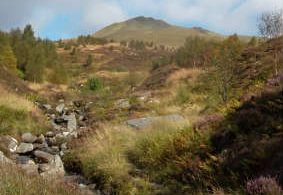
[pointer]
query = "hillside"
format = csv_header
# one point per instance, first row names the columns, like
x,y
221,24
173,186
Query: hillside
x,y
150,29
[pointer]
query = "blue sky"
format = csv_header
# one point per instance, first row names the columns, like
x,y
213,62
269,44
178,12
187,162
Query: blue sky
x,y
56,19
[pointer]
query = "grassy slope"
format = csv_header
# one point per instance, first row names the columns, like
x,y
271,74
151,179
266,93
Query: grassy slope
x,y
187,161
147,29
17,113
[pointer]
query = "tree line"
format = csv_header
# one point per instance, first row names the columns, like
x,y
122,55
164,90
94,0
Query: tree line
x,y
29,57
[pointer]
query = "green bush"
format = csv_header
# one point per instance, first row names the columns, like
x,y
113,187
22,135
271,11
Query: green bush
x,y
94,84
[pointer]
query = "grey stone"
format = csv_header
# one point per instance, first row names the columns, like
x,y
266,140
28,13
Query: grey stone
x,y
44,167
28,138
60,108
24,160
24,148
40,139
141,123
55,149
123,104
64,146
71,122
30,169
40,146
8,143
56,168
43,156
50,134
4,159
47,106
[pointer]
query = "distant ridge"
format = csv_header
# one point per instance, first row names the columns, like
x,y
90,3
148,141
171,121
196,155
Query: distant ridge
x,y
150,29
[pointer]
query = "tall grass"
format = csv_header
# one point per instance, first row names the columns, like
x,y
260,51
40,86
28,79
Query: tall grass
x,y
18,115
14,181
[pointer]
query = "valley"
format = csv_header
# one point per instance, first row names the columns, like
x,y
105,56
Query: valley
x,y
140,107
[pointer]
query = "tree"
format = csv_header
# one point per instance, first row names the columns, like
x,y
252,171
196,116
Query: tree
x,y
270,24
194,53
7,57
226,66
36,64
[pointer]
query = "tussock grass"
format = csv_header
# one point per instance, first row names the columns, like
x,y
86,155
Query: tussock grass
x,y
103,158
18,115
14,181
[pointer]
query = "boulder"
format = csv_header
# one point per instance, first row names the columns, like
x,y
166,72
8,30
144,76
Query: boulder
x,y
54,169
40,139
24,148
60,108
43,156
47,106
141,123
8,143
24,160
44,167
28,138
50,134
71,122
4,159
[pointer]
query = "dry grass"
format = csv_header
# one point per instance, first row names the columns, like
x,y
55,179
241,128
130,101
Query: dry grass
x,y
14,181
18,115
14,101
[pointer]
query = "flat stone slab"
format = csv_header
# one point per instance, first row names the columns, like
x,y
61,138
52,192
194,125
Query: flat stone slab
x,y
141,123
24,148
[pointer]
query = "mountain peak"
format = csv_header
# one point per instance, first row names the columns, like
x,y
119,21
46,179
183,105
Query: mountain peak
x,y
148,21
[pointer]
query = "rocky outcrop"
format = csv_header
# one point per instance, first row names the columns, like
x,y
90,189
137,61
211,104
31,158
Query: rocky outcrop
x,y
141,123
36,154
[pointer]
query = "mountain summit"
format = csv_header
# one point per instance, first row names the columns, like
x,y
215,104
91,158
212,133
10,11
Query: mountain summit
x,y
150,29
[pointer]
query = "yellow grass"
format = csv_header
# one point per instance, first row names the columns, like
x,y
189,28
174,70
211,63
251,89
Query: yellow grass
x,y
14,101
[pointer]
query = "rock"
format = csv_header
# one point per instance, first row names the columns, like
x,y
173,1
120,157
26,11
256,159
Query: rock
x,y
55,149
30,169
40,139
40,146
55,169
64,146
50,134
44,167
24,160
47,106
4,159
8,143
60,108
55,126
123,104
71,122
43,156
24,148
28,138
142,123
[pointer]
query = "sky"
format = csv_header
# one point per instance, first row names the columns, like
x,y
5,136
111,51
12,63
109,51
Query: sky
x,y
55,19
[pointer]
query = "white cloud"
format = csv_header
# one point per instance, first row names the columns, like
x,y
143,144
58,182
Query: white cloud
x,y
224,16
99,13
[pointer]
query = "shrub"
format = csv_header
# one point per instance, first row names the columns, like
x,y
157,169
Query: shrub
x,y
263,186
94,84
